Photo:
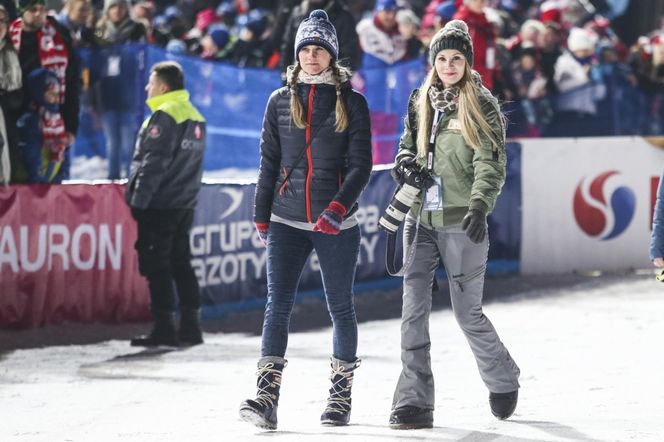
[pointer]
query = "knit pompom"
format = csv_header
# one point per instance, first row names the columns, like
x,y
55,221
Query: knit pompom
x,y
319,31
457,24
453,36
318,14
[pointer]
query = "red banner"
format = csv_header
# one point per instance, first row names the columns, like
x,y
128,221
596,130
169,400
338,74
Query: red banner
x,y
67,254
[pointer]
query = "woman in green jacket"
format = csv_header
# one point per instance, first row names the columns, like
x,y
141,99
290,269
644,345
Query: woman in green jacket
x,y
460,141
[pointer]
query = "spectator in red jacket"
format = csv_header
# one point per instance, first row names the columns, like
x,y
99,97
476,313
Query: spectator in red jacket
x,y
484,39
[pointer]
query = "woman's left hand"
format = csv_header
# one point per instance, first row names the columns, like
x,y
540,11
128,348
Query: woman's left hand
x,y
474,223
330,219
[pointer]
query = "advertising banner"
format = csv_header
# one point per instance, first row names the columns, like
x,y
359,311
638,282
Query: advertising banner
x,y
67,253
229,259
587,203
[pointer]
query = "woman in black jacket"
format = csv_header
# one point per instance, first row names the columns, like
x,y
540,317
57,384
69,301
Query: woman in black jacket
x,y
315,162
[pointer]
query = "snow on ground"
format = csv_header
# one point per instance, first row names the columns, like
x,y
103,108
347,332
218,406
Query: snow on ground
x,y
590,355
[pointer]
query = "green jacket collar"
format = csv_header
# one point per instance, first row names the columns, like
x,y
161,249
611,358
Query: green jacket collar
x,y
180,95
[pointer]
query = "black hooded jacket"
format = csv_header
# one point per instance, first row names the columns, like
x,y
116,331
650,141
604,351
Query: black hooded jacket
x,y
336,166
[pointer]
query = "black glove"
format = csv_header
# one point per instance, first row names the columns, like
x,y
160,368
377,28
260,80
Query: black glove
x,y
398,172
474,223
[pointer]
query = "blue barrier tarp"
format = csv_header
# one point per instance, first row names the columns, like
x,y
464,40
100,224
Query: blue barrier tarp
x,y
231,99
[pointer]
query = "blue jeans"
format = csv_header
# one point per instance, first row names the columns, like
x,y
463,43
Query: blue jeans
x,y
287,251
120,133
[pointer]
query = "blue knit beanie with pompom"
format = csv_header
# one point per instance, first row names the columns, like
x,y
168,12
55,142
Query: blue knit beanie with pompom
x,y
317,30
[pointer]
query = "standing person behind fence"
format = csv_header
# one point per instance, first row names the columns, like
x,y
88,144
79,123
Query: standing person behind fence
x,y
379,36
114,96
574,75
42,42
162,192
75,16
466,157
315,162
116,25
484,39
11,96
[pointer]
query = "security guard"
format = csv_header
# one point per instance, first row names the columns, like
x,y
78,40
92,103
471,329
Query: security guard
x,y
162,193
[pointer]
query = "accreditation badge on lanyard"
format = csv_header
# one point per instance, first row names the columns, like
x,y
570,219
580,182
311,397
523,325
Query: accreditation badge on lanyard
x,y
433,198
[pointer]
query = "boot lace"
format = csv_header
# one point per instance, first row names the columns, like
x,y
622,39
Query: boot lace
x,y
268,379
341,383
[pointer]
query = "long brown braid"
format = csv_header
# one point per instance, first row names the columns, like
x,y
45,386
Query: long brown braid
x,y
341,122
297,110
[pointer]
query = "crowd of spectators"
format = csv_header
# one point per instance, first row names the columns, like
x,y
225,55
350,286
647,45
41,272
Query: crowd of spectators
x,y
556,65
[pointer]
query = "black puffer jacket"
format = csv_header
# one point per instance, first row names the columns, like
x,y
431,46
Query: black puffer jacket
x,y
335,167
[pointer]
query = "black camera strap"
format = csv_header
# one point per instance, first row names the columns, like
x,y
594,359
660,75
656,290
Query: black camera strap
x,y
408,253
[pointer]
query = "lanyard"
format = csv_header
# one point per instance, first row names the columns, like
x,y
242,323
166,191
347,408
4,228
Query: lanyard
x,y
438,115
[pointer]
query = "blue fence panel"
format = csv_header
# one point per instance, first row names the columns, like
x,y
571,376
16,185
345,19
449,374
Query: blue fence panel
x,y
232,100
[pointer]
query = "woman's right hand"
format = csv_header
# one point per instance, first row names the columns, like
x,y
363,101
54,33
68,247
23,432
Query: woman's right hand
x,y
658,262
262,229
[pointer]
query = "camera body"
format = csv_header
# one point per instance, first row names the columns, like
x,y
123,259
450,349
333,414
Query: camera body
x,y
413,179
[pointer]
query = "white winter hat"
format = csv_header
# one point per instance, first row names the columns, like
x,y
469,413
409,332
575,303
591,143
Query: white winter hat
x,y
581,39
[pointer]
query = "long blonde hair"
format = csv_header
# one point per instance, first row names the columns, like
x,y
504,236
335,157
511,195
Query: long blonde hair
x,y
297,109
474,126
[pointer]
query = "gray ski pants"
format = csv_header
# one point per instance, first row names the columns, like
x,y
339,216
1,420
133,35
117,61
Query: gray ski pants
x,y
465,265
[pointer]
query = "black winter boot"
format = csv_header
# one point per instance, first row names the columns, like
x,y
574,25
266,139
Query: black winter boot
x,y
162,334
262,411
503,404
338,407
409,417
190,327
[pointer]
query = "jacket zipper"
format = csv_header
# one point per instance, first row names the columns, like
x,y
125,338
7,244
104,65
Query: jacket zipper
x,y
307,189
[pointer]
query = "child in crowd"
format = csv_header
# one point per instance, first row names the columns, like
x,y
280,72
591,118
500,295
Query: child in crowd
x,y
42,135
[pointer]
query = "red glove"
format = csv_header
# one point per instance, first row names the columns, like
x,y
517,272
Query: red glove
x,y
330,220
261,228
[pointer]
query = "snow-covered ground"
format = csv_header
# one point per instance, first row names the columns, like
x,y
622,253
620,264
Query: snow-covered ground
x,y
591,358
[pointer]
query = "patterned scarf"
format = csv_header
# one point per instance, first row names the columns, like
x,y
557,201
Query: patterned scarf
x,y
53,53
54,137
444,100
325,77
447,99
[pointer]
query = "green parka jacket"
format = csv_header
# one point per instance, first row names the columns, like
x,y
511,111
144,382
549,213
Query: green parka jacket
x,y
471,178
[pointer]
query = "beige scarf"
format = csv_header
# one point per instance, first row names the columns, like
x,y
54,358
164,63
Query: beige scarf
x,y
325,77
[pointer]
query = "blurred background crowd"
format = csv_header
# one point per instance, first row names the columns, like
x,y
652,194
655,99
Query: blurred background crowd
x,y
559,67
